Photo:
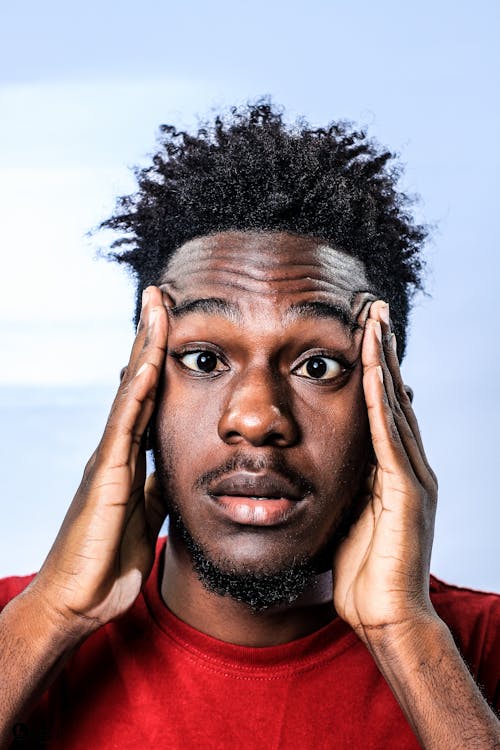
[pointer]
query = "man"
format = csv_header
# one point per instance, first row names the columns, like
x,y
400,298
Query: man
x,y
290,606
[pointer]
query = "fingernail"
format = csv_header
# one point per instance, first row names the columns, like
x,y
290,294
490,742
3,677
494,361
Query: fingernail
x,y
384,313
394,343
378,330
167,300
380,373
145,295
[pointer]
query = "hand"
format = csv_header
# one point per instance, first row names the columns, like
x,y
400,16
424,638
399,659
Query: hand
x,y
105,548
381,570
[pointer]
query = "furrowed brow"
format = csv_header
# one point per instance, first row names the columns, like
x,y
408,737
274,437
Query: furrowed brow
x,y
207,305
322,309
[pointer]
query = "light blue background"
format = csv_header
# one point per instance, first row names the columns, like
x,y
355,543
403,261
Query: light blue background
x,y
83,87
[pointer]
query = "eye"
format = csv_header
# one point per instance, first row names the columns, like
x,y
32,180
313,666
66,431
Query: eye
x,y
320,368
202,361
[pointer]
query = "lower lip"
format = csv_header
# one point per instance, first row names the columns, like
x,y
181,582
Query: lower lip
x,y
255,511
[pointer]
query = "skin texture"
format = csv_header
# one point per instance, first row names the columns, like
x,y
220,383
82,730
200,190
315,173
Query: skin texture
x,y
261,413
379,578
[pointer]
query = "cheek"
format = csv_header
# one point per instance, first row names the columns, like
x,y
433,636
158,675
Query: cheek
x,y
186,421
336,433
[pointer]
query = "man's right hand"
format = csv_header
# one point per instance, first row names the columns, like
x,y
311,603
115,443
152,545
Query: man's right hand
x,y
105,548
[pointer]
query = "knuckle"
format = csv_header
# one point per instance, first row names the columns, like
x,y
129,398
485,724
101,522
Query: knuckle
x,y
369,366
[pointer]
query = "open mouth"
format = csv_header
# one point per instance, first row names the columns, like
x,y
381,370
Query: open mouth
x,y
257,499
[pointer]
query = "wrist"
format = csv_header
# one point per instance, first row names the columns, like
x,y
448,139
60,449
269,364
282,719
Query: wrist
x,y
421,663
63,630
414,645
407,636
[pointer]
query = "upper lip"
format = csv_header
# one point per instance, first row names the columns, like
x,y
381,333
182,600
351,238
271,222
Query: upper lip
x,y
246,484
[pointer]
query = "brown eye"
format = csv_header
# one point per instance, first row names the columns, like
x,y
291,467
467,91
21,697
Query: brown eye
x,y
204,361
319,368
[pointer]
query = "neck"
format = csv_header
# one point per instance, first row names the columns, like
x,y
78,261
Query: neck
x,y
235,622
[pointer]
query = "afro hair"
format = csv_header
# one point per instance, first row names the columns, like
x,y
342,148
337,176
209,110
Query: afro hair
x,y
250,170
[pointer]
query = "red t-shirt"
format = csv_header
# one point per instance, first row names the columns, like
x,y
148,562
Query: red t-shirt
x,y
150,680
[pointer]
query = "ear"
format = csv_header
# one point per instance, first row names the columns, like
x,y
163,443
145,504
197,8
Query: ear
x,y
409,392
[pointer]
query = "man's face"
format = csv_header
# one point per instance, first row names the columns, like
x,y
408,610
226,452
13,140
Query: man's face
x,y
261,430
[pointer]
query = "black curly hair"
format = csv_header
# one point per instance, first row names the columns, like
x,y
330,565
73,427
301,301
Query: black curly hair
x,y
249,170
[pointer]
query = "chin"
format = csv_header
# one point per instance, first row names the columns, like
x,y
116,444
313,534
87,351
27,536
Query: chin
x,y
257,575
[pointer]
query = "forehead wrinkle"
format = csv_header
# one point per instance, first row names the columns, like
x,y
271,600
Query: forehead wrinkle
x,y
271,272
209,306
236,278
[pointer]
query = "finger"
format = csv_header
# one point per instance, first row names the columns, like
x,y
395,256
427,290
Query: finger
x,y
152,306
152,303
361,312
386,440
380,312
389,421
134,502
141,331
398,397
396,441
362,316
135,400
167,299
379,319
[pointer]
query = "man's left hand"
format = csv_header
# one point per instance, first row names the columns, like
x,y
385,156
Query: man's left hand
x,y
381,570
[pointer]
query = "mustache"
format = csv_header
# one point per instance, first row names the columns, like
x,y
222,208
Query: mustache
x,y
255,465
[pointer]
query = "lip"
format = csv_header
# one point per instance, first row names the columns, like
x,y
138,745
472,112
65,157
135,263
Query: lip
x,y
247,484
257,499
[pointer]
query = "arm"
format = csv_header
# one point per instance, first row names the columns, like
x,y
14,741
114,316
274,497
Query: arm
x,y
105,548
381,571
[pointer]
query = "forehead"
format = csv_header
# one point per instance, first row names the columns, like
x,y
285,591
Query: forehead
x,y
275,265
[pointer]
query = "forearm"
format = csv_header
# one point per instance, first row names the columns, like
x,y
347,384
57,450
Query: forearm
x,y
434,687
33,648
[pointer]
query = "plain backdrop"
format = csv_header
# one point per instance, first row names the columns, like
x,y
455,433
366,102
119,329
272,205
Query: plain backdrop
x,y
83,88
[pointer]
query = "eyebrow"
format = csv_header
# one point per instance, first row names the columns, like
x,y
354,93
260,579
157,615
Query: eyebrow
x,y
207,305
322,309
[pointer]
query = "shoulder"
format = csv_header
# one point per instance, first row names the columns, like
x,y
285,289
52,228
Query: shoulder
x,y
12,586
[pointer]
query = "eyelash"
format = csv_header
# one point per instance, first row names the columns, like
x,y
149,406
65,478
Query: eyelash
x,y
345,366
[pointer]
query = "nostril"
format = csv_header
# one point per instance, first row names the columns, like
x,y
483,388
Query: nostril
x,y
232,435
253,415
275,438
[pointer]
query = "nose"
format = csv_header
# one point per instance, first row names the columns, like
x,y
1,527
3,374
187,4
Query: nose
x,y
258,412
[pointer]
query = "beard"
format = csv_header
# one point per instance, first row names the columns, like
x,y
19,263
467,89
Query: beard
x,y
259,590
